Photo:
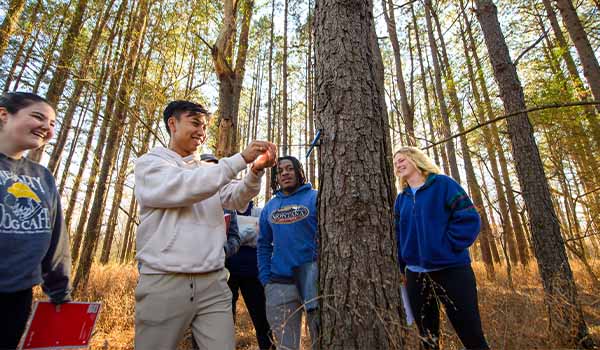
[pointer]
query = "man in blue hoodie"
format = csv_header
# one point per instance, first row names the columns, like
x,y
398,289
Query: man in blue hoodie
x,y
287,243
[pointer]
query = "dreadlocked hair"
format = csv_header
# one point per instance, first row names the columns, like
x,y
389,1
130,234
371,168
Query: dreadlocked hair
x,y
298,170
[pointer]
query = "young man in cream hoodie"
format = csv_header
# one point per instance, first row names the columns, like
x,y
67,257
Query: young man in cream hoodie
x,y
182,231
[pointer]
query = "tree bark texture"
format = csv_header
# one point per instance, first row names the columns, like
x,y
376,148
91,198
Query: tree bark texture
x,y
359,281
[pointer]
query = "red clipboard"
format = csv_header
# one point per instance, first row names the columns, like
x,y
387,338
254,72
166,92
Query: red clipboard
x,y
227,218
69,328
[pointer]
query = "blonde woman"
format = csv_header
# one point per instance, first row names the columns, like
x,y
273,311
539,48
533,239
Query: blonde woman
x,y
436,223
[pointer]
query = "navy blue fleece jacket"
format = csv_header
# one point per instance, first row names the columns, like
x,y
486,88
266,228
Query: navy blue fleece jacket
x,y
436,225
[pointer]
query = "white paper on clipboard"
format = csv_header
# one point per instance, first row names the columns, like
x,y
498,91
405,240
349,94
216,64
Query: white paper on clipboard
x,y
409,315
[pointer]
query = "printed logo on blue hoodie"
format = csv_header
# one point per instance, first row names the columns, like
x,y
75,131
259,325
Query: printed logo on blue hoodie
x,y
288,234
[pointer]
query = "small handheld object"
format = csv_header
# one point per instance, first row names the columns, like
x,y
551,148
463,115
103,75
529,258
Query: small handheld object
x,y
313,143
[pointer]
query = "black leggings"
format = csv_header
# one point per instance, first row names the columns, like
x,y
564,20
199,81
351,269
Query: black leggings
x,y
455,288
14,312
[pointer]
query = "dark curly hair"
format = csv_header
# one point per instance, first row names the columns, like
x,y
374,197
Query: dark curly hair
x,y
298,170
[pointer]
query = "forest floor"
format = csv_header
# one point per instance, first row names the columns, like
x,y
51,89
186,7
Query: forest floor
x,y
512,319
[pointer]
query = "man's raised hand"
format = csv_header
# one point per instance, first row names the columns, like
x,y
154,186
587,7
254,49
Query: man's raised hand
x,y
258,148
267,159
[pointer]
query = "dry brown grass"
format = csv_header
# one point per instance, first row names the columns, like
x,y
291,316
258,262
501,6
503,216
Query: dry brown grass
x,y
511,319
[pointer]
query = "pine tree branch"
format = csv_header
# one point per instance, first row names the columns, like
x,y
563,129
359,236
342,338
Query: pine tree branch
x,y
529,110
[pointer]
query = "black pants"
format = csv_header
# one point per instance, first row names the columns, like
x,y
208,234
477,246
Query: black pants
x,y
14,312
254,297
455,288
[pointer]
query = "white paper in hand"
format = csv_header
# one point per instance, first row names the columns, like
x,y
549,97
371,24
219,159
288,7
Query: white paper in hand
x,y
409,315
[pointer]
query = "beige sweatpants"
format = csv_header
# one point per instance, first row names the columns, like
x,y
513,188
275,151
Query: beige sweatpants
x,y
166,305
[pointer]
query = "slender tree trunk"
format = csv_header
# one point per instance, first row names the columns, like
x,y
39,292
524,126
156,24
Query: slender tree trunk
x,y
270,98
127,238
424,83
284,91
471,179
257,100
80,82
357,313
31,23
15,7
119,117
123,169
311,87
118,194
407,112
231,76
450,150
63,67
49,55
581,90
107,70
503,184
589,62
74,142
493,226
565,314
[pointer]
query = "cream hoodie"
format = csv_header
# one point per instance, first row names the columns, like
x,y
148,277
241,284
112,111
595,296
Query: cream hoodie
x,y
181,203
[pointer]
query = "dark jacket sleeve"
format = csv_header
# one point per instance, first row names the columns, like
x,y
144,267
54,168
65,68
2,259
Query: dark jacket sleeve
x,y
464,223
56,265
264,247
232,245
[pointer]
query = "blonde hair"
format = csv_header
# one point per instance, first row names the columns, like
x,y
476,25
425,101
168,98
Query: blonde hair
x,y
420,161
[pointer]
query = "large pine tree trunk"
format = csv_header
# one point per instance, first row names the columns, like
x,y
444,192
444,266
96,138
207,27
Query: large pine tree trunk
x,y
359,278
15,7
565,314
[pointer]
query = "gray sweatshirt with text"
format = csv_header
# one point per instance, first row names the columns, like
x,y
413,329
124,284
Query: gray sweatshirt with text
x,y
34,247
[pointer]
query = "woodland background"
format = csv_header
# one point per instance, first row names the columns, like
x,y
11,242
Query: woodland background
x,y
111,66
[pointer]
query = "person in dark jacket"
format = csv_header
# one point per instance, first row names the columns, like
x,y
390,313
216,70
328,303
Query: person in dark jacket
x,y
436,223
33,243
244,278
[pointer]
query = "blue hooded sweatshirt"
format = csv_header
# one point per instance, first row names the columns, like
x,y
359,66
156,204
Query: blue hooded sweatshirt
x,y
436,225
288,234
